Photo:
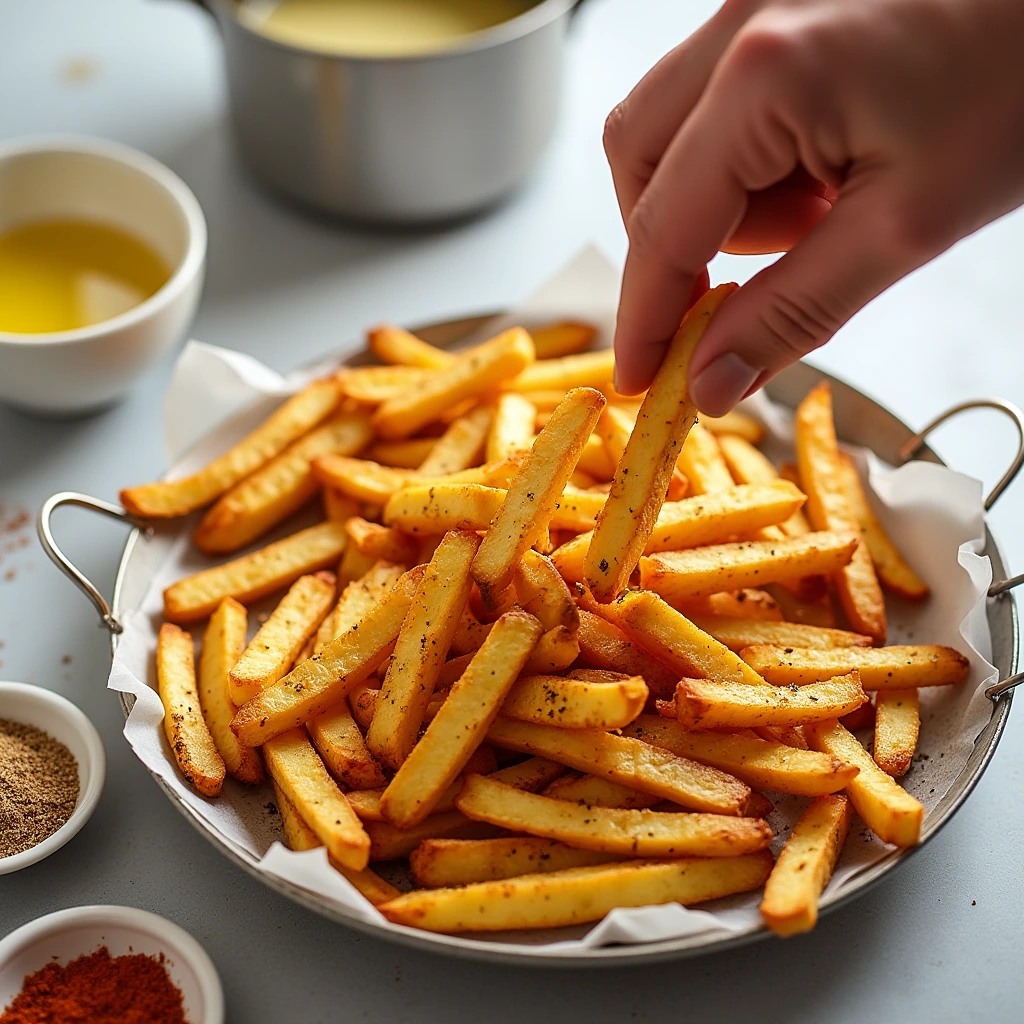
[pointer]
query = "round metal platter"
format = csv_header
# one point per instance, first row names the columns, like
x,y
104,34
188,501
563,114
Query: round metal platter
x,y
859,421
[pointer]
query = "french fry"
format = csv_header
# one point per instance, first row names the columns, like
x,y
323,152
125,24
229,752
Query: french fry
x,y
408,453
570,558
339,742
326,679
556,650
790,902
400,348
390,843
362,479
255,575
577,510
223,643
897,723
583,370
886,808
469,635
531,775
302,777
169,498
437,508
625,831
533,494
461,722
377,542
358,597
542,592
641,479
746,464
366,802
828,508
421,649
337,506
737,424
371,385
738,634
362,701
893,571
187,731
277,643
480,370
593,791
512,426
748,603
628,761
614,428
577,895
436,863
709,704
565,338
279,488
461,445
702,462
880,668
793,608
575,703
594,459
764,764
353,565
697,572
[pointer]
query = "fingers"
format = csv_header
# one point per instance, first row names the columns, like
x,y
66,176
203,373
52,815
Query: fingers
x,y
777,218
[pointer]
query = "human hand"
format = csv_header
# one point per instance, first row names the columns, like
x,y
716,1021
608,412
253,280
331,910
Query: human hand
x,y
863,137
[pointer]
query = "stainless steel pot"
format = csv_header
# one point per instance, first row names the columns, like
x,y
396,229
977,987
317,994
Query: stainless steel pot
x,y
400,140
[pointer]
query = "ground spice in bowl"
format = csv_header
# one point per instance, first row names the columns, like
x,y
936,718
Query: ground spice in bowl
x,y
99,989
38,786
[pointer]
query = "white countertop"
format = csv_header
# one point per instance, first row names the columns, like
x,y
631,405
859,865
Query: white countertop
x,y
939,940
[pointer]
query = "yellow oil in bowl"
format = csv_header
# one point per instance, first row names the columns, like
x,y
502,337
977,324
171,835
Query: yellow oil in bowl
x,y
60,275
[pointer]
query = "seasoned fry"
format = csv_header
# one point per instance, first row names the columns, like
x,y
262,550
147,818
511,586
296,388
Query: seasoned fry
x,y
828,508
339,742
738,634
893,571
697,572
377,542
512,426
765,764
570,558
437,508
575,703
170,498
469,635
406,454
461,445
390,843
585,370
565,338
880,668
641,479
887,809
531,775
542,592
708,704
748,603
421,649
737,424
577,895
362,479
556,650
371,385
702,462
400,348
279,640
296,768
533,494
747,464
223,643
358,597
625,831
790,902
897,723
628,761
474,372
604,646
255,575
326,679
614,428
593,791
594,459
816,612
186,730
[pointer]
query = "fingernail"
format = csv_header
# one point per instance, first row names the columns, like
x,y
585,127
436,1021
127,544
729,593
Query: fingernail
x,y
615,378
722,383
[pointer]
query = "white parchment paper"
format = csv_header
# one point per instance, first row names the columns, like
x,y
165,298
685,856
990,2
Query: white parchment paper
x,y
933,514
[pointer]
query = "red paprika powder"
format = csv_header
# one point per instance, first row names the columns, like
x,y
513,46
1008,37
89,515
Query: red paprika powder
x,y
99,989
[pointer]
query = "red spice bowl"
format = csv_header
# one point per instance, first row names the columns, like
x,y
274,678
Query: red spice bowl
x,y
68,934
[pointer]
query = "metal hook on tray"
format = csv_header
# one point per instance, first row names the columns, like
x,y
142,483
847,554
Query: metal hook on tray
x,y
66,566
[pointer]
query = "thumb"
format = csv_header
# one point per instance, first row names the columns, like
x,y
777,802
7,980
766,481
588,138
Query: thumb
x,y
798,303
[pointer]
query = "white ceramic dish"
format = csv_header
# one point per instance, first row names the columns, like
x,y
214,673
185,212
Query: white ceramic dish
x,y
69,372
34,705
68,934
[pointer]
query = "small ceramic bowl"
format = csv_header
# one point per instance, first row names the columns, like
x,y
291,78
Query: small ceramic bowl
x,y
69,934
46,710
72,372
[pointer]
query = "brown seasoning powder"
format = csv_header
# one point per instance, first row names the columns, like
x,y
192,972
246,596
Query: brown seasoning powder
x,y
38,786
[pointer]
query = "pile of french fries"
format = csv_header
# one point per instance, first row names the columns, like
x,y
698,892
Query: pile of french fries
x,y
552,645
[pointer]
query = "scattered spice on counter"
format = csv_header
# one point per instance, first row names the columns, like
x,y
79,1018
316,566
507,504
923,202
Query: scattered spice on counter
x,y
38,786
99,989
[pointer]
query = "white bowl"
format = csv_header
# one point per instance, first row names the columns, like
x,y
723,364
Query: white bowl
x,y
69,372
68,934
46,710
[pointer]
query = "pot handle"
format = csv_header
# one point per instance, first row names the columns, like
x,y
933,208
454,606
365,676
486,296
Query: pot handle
x,y
66,566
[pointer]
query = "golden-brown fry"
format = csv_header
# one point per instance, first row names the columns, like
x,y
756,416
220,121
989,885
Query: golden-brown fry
x,y
887,809
763,763
593,791
570,558
327,678
748,603
362,479
390,843
828,508
437,508
643,474
628,761
169,498
531,775
336,736
377,542
556,650
338,506
512,427
709,704
186,730
614,428
697,572
738,634
594,459
565,338
625,831
297,834
575,703
897,723
470,634
461,722
793,608
277,643
400,348
737,424
406,454
421,649
461,445
702,462
371,385
577,895
747,464
880,668
223,643
542,592
255,575
790,902
585,370
363,702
